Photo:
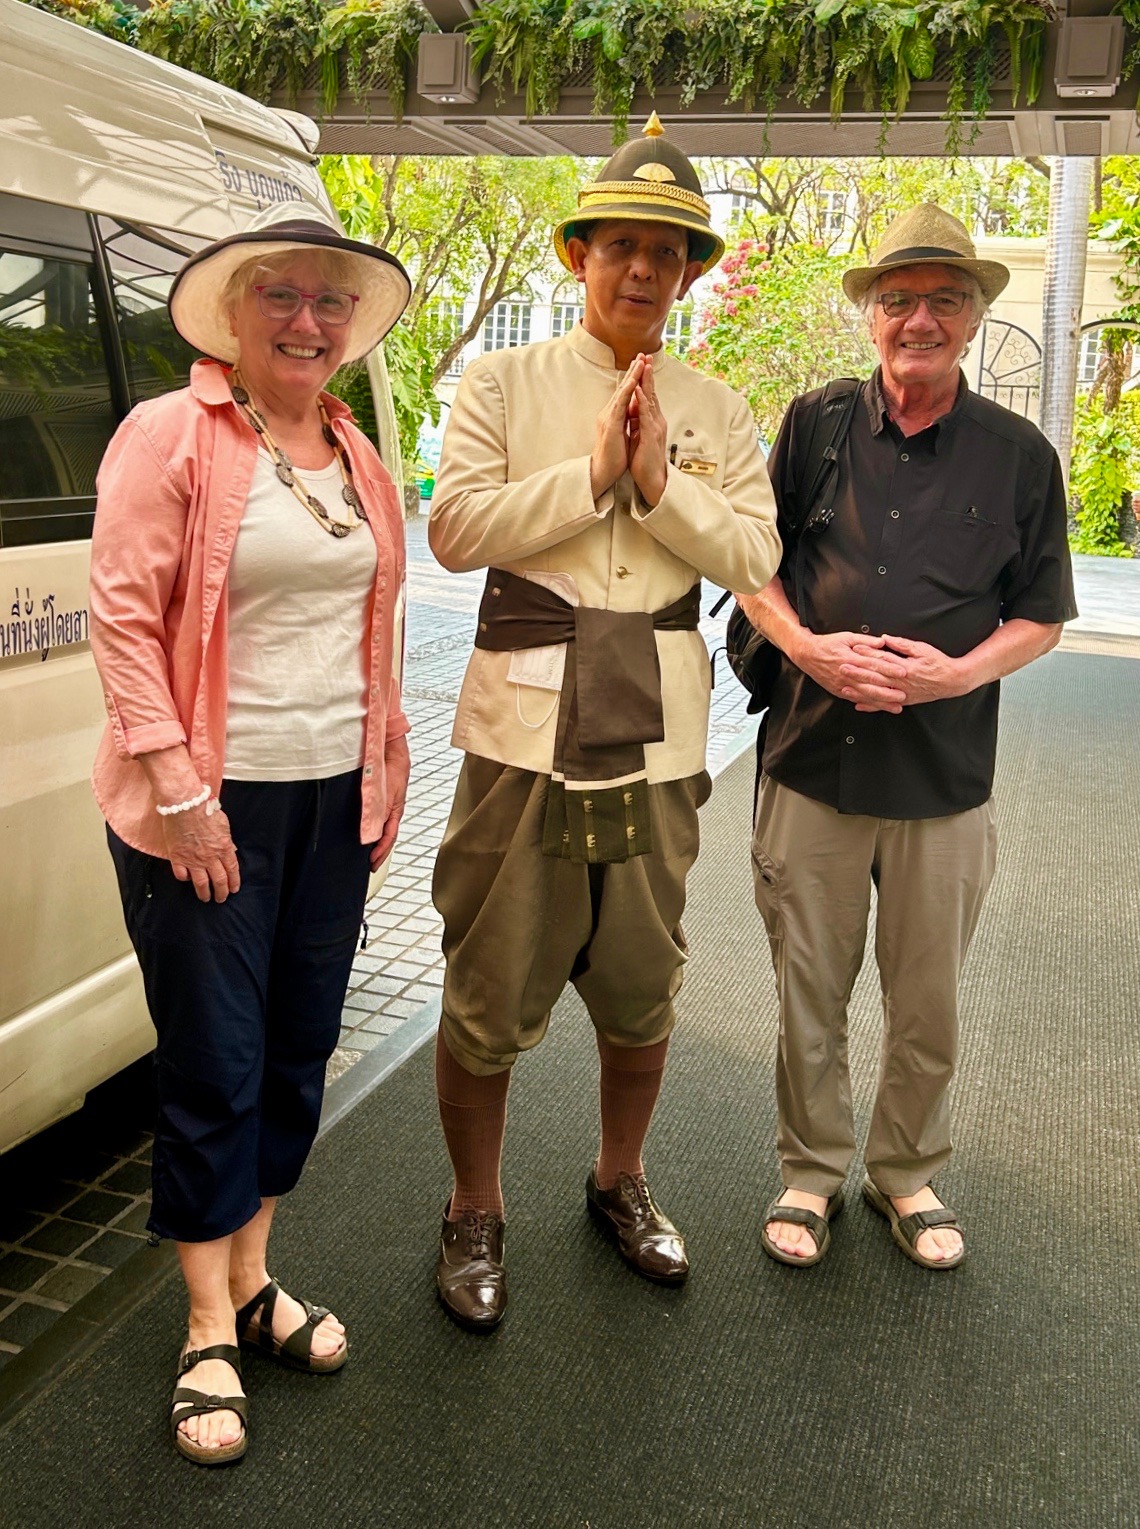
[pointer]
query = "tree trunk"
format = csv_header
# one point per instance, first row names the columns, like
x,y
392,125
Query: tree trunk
x,y
1066,248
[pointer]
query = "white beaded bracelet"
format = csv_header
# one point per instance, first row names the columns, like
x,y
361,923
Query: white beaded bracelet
x,y
195,801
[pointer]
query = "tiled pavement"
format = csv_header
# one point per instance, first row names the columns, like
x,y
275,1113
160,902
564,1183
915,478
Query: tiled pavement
x,y
73,1207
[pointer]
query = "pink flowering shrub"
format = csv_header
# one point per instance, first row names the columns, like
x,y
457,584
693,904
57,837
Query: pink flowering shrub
x,y
776,326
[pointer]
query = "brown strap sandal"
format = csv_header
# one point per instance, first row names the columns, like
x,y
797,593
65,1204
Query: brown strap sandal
x,y
906,1230
296,1350
190,1403
798,1215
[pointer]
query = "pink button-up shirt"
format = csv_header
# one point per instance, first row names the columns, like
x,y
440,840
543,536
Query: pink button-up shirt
x,y
172,490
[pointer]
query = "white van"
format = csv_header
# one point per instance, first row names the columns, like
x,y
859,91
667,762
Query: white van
x,y
113,167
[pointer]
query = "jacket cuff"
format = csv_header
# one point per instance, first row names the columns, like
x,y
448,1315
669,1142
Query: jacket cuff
x,y
149,738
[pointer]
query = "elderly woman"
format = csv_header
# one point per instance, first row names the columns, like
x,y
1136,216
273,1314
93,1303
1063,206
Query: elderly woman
x,y
246,590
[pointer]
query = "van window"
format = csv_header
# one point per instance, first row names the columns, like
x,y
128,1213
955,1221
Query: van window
x,y
56,413
143,265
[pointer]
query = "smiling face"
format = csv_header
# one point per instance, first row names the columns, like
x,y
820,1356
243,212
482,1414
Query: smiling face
x,y
633,274
284,358
922,351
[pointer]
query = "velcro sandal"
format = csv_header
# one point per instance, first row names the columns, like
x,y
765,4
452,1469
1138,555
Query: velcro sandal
x,y
296,1350
190,1403
906,1230
798,1215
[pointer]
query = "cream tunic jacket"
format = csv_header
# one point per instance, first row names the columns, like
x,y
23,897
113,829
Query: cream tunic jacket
x,y
513,491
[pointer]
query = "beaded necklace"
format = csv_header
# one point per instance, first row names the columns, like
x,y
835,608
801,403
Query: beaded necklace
x,y
285,470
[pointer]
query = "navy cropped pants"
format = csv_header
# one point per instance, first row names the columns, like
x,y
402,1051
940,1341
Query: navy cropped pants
x,y
246,997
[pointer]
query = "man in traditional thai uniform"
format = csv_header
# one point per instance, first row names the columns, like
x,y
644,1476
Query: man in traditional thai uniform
x,y
597,479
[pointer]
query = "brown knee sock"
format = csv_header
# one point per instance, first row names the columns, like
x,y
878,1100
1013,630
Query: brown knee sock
x,y
473,1112
630,1083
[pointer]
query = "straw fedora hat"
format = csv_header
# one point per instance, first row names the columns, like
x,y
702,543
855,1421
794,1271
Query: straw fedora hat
x,y
648,180
926,235
378,279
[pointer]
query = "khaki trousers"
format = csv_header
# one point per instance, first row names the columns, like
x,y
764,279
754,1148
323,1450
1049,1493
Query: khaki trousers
x,y
813,869
518,924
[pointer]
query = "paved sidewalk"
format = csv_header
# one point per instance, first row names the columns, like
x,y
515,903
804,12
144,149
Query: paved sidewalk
x,y
401,971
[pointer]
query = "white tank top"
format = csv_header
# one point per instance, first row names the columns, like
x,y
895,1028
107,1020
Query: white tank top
x,y
298,611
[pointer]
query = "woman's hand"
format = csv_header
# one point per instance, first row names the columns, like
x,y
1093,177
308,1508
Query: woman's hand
x,y
198,843
201,850
398,763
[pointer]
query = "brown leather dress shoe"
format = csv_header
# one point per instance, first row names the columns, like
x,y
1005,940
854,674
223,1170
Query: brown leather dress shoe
x,y
470,1277
645,1237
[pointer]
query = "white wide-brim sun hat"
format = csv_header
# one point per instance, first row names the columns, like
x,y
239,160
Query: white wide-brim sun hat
x,y
379,281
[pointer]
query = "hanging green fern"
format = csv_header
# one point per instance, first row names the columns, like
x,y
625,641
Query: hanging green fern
x,y
759,51
524,43
377,42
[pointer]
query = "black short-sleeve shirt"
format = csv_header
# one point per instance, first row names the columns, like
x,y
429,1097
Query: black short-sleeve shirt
x,y
939,537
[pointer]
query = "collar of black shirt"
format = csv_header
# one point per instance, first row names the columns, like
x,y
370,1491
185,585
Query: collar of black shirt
x,y
879,414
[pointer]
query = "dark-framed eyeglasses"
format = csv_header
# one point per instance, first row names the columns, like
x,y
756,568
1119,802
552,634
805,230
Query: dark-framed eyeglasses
x,y
277,301
940,305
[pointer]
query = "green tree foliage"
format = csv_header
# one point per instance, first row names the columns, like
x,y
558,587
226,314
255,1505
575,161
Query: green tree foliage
x,y
471,232
783,201
1105,466
1106,426
778,324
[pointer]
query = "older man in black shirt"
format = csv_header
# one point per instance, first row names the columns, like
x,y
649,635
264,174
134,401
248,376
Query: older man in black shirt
x,y
944,566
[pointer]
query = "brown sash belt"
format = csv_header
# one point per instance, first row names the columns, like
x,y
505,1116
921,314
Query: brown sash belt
x,y
609,708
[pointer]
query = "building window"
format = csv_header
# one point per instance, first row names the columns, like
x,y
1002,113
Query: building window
x,y
563,317
507,325
445,319
1088,358
677,328
832,212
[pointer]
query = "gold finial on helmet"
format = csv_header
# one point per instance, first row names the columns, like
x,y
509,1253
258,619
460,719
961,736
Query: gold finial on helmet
x,y
653,128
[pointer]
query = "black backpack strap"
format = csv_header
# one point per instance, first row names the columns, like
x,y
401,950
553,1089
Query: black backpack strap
x,y
833,415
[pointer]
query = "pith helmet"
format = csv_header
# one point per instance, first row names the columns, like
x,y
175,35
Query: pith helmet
x,y
648,180
926,235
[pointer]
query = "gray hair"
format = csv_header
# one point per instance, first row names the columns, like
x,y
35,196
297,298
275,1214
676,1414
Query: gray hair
x,y
970,282
335,266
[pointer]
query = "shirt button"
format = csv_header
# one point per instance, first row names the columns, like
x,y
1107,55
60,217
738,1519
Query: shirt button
x,y
591,841
623,573
496,591
850,739
631,832
864,628
375,691
894,514
904,456
367,772
383,582
376,635
482,626
882,569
